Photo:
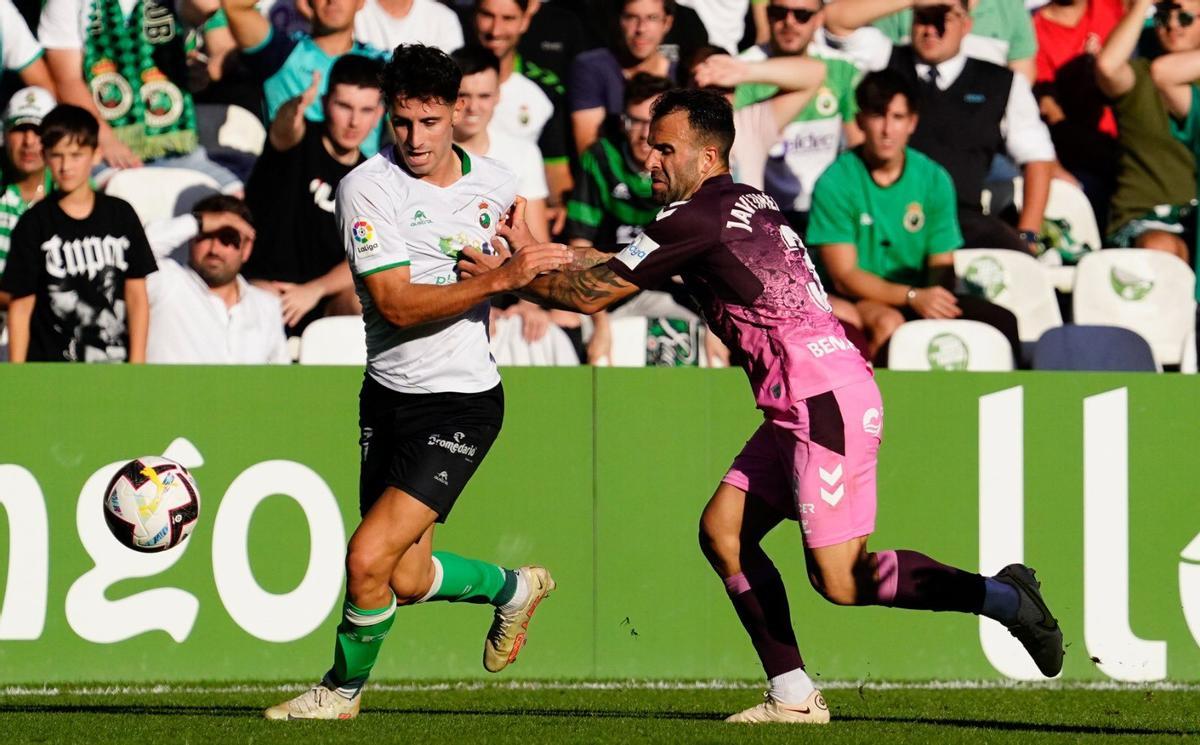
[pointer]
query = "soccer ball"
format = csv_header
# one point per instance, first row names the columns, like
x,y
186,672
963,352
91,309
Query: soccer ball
x,y
151,504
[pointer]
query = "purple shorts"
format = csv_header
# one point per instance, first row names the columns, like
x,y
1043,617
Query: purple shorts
x,y
817,464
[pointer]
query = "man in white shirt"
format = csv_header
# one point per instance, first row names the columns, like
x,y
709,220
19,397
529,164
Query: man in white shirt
x,y
386,24
431,403
205,313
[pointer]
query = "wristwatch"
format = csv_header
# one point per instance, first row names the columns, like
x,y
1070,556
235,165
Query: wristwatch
x,y
1031,238
910,296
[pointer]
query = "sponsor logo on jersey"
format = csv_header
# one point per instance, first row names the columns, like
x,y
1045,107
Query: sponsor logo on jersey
x,y
828,345
636,252
872,421
419,218
914,217
453,245
363,233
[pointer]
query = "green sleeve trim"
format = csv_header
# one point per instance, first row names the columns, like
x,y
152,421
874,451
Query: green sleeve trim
x,y
466,159
262,44
556,161
384,268
40,53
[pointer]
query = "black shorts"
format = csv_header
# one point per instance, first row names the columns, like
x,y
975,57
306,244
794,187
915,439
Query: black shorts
x,y
425,444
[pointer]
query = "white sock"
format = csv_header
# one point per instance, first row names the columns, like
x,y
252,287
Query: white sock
x,y
520,596
792,687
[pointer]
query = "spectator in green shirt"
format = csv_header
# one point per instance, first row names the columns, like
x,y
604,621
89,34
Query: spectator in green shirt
x,y
884,221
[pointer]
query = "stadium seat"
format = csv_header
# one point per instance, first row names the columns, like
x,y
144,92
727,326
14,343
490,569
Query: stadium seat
x,y
1014,281
1188,362
949,345
229,127
633,344
1067,202
628,342
334,340
1094,348
160,193
1150,292
509,347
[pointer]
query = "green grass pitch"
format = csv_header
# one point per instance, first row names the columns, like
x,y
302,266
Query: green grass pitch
x,y
613,712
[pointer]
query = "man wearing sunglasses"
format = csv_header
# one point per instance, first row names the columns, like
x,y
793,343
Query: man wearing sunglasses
x,y
206,313
811,142
1153,205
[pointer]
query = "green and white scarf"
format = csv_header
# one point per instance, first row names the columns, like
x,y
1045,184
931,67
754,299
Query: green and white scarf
x,y
137,77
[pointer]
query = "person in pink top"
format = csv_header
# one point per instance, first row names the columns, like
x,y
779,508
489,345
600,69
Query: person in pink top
x,y
1070,33
813,458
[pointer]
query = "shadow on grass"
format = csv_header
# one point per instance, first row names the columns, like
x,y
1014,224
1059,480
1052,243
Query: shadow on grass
x,y
254,712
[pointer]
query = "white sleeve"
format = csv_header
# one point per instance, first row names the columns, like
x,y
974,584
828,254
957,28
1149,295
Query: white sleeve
x,y
60,26
451,33
1025,134
371,234
169,234
531,181
17,44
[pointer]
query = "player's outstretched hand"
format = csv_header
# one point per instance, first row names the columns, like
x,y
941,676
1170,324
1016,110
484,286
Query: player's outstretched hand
x,y
513,227
518,269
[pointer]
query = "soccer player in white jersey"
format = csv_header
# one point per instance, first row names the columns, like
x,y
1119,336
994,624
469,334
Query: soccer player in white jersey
x,y
431,402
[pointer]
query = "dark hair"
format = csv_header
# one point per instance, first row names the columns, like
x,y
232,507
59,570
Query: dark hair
x,y
72,123
522,4
644,86
709,115
697,57
355,70
223,203
877,89
474,59
668,6
421,72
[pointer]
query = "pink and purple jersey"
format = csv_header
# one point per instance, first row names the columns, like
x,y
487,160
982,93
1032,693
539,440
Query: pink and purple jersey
x,y
757,288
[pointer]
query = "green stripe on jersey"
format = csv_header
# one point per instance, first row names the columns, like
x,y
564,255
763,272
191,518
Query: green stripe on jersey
x,y
584,213
383,268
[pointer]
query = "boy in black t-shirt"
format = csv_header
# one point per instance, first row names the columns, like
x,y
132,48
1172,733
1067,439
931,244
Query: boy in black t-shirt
x,y
78,260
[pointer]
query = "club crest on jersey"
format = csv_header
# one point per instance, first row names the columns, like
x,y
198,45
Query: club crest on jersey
x,y
914,217
485,217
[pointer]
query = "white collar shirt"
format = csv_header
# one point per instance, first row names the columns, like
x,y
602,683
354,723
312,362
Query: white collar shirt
x,y
191,325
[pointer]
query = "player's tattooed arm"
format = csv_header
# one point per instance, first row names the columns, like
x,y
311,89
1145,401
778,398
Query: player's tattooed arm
x,y
585,290
587,257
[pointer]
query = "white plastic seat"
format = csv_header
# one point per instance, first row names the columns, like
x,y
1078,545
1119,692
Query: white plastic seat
x,y
631,341
1188,362
1015,281
1066,202
161,193
949,345
230,127
334,340
1150,292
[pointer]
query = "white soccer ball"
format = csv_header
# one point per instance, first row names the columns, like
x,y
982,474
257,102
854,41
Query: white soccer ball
x,y
151,504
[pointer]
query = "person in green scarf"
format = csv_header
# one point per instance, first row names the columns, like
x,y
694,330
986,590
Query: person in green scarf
x,y
125,61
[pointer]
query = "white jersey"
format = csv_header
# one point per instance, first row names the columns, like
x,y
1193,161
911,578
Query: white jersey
x,y
390,219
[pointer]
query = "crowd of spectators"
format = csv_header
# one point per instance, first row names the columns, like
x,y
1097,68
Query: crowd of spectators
x,y
884,129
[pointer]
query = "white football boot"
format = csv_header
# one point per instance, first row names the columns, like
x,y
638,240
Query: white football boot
x,y
507,633
317,702
812,711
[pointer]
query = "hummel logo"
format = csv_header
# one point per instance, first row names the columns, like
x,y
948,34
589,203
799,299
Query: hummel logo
x,y
443,478
830,478
419,218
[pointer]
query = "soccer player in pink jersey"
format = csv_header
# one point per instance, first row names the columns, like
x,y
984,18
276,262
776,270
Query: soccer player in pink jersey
x,y
813,459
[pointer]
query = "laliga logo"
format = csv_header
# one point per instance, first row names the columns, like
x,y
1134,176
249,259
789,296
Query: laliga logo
x,y
1107,634
362,231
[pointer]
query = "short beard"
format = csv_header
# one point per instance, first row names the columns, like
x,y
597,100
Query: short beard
x,y
215,279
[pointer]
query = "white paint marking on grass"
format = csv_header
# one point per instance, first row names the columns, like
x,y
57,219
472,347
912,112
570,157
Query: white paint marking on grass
x,y
641,685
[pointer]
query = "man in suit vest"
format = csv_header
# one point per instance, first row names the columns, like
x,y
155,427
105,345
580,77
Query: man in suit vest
x,y
970,111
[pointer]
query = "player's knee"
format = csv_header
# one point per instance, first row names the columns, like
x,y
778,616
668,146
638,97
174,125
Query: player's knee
x,y
837,587
366,567
720,547
409,590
